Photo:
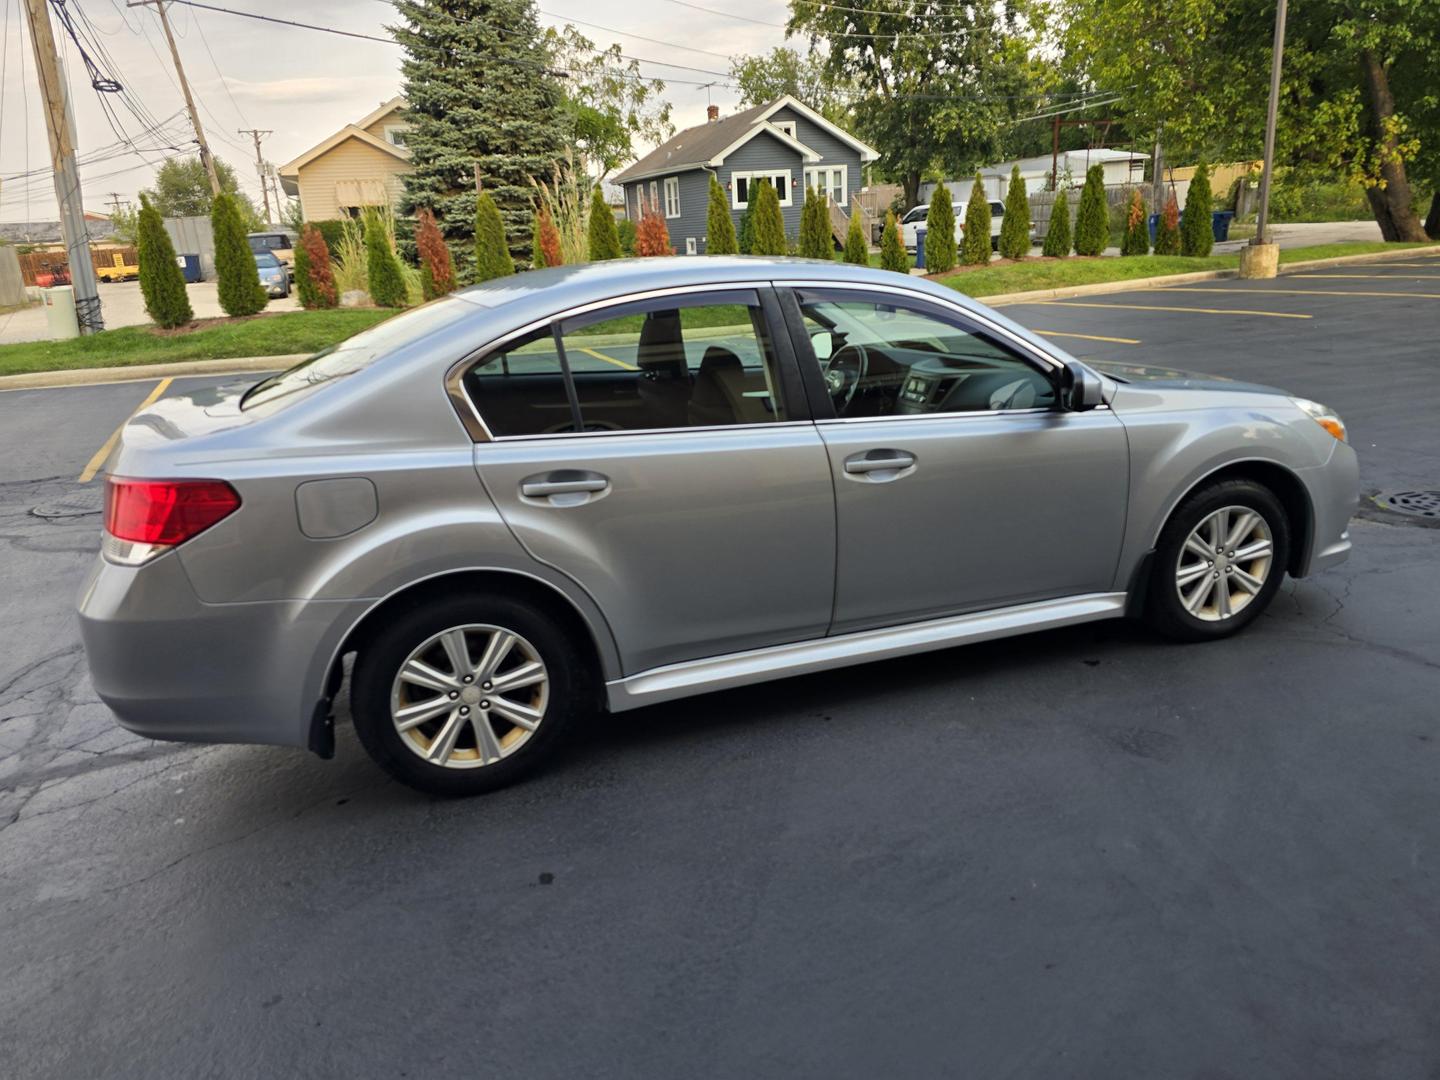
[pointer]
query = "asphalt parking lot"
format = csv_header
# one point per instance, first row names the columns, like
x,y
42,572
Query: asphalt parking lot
x,y
1086,853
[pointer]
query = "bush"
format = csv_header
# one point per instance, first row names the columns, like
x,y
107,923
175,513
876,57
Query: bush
x,y
332,229
769,228
720,236
746,238
1015,225
652,237
492,250
239,280
437,271
1167,229
856,250
626,229
382,266
604,238
815,239
1092,218
1136,240
892,251
1197,234
940,232
1057,234
314,279
549,251
976,250
161,281
350,272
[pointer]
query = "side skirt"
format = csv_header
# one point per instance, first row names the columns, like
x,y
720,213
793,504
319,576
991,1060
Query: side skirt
x,y
801,658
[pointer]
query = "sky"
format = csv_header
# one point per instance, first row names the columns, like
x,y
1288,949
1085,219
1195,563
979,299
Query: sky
x,y
301,84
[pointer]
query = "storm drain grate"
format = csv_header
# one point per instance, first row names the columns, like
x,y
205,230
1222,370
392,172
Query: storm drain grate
x,y
1424,504
78,504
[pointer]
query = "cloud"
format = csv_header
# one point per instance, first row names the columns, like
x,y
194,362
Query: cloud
x,y
313,90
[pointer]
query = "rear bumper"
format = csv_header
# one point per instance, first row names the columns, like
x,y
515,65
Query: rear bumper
x,y
172,667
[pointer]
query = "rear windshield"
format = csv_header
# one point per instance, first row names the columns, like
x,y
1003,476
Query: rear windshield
x,y
356,353
264,258
269,242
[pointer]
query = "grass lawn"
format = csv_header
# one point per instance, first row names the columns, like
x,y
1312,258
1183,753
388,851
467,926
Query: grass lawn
x,y
268,335
1061,273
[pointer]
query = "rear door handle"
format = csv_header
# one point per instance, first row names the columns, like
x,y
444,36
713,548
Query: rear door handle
x,y
565,487
874,461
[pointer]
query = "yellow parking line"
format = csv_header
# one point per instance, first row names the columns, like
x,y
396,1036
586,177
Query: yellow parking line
x,y
93,465
1307,292
1161,307
1089,337
607,359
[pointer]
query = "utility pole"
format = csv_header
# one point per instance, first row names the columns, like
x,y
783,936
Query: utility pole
x,y
275,182
257,135
1157,192
114,201
205,156
60,123
1260,257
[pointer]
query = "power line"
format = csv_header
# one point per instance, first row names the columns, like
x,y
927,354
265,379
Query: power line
x,y
637,37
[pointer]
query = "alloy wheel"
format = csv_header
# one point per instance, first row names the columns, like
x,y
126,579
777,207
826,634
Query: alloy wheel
x,y
469,696
1224,563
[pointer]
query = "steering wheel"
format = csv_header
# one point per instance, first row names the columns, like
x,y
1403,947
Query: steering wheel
x,y
843,373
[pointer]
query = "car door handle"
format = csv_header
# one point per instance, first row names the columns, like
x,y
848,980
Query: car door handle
x,y
872,461
565,487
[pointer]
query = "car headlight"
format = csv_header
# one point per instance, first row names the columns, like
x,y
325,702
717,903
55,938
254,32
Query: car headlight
x,y
1323,415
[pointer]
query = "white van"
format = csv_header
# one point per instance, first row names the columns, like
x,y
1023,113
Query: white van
x,y
918,215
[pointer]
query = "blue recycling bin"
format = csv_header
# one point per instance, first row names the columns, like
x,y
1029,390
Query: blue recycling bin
x,y
189,267
920,231
1220,223
1154,224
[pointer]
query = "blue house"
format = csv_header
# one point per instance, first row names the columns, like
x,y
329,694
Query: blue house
x,y
783,141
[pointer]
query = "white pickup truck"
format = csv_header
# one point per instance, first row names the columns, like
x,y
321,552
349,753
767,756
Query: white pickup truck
x,y
918,214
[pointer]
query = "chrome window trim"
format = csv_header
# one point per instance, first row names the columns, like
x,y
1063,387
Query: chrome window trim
x,y
474,422
863,287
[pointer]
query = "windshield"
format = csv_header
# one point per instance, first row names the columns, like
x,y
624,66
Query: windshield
x,y
356,353
918,214
266,259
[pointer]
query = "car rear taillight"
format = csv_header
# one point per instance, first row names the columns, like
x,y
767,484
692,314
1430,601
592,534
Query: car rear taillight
x,y
146,517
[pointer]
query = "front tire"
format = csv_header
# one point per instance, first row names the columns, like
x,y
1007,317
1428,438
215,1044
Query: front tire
x,y
1219,561
466,695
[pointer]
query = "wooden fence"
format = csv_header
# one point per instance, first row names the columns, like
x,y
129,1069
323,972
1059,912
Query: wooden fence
x,y
38,267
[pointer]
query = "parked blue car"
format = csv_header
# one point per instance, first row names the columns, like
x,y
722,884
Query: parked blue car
x,y
272,274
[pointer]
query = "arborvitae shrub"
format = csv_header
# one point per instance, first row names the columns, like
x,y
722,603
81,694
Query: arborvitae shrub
x,y
940,250
720,236
976,250
382,265
437,271
1197,235
162,283
769,237
1137,227
815,239
1057,234
1092,217
492,251
892,251
604,238
857,251
1167,229
314,276
238,279
1015,225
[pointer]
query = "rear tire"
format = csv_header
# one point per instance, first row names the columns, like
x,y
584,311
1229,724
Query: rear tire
x,y
1219,561
490,684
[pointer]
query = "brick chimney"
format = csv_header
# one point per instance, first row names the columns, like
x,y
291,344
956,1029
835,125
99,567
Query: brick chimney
x,y
712,113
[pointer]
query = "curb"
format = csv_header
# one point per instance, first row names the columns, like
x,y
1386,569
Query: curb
x,y
49,380
1001,299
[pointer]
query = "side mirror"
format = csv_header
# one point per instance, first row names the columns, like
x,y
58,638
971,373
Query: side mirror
x,y
1080,388
823,344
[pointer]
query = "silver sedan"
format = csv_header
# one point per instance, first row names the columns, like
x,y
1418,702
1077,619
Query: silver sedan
x,y
612,485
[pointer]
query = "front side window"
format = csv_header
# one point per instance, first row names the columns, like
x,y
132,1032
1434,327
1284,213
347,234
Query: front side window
x,y
701,361
882,357
672,196
916,215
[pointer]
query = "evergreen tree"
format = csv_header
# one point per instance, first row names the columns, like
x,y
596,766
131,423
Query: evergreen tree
x,y
626,229
892,251
1057,234
1197,236
604,237
162,283
239,279
746,239
492,253
940,248
856,250
719,225
1137,227
314,276
1092,217
1015,225
1167,229
769,235
976,251
481,101
437,271
382,266
815,239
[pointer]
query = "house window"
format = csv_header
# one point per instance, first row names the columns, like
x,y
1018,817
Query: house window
x,y
395,134
672,196
831,180
787,126
654,196
743,183
690,248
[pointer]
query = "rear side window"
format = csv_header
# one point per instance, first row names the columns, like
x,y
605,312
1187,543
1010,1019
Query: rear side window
x,y
672,363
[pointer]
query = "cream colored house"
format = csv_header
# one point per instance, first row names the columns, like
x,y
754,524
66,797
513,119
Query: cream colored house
x,y
363,164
